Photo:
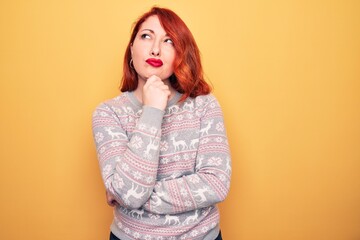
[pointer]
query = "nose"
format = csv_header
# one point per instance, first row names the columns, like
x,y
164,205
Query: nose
x,y
155,50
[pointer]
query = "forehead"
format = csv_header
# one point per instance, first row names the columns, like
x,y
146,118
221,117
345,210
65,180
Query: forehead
x,y
152,23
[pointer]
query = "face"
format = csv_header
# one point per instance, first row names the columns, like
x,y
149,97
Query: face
x,y
152,51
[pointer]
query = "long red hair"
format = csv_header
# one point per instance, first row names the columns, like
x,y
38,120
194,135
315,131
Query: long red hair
x,y
188,75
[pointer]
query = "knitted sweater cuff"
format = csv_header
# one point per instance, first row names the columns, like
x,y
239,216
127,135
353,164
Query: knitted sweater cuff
x,y
152,116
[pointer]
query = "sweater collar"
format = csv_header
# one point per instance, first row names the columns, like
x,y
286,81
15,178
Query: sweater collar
x,y
137,103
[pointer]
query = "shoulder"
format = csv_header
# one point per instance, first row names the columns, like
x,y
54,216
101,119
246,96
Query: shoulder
x,y
201,105
206,98
206,101
116,104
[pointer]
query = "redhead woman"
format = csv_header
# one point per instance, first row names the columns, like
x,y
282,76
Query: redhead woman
x,y
161,144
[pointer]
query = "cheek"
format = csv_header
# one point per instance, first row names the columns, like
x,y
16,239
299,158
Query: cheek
x,y
135,52
138,49
171,57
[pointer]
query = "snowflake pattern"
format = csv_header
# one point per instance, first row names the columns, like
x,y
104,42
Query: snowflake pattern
x,y
220,127
183,192
136,235
118,182
204,140
99,137
216,161
194,233
181,162
102,150
149,180
125,167
164,146
119,224
180,117
164,160
188,203
136,142
153,130
147,237
107,170
137,175
127,230
177,158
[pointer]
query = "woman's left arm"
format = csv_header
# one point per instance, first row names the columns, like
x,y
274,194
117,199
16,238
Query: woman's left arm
x,y
211,181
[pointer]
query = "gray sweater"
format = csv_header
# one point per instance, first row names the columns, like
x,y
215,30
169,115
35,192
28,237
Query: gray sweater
x,y
166,169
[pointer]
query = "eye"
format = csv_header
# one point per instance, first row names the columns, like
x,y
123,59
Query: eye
x,y
145,36
168,40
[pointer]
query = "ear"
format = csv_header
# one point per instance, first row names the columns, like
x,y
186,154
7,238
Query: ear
x,y
131,49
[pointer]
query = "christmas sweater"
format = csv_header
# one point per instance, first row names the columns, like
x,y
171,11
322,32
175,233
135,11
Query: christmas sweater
x,y
166,170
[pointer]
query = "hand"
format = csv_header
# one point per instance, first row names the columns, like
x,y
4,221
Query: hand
x,y
155,93
111,200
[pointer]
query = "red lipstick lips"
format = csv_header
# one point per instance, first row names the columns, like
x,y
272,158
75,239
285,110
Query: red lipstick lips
x,y
154,62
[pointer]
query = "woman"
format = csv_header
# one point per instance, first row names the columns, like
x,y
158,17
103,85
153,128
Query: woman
x,y
162,146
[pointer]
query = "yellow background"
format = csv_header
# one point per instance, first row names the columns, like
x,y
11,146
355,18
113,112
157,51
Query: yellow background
x,y
287,74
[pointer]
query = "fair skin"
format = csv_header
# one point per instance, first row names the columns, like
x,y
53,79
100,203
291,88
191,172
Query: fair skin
x,y
152,42
154,88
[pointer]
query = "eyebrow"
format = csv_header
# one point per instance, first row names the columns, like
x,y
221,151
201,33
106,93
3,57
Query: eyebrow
x,y
152,31
146,29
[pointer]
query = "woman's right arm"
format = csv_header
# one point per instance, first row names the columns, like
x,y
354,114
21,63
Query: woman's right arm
x,y
128,166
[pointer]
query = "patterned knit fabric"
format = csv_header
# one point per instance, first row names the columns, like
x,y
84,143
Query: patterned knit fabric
x,y
166,169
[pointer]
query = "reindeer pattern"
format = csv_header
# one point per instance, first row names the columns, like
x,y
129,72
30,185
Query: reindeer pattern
x,y
169,218
132,192
186,128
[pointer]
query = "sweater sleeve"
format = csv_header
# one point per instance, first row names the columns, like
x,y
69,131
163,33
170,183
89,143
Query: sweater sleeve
x,y
128,165
210,182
